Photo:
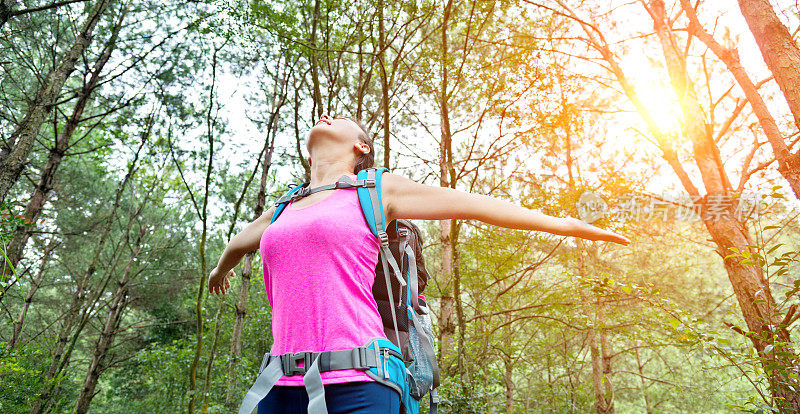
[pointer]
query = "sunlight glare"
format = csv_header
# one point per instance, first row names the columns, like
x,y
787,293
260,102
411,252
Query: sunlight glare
x,y
654,90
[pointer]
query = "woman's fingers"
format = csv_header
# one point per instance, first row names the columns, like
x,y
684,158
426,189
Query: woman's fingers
x,y
220,287
620,239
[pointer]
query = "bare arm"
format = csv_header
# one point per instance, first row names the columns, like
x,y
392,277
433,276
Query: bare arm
x,y
404,198
244,242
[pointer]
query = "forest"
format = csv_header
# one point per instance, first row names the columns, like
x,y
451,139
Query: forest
x,y
138,137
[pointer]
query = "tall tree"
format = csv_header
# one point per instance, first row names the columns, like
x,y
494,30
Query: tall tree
x,y
16,150
71,322
278,95
44,186
116,309
728,230
778,47
202,214
788,163
446,321
382,46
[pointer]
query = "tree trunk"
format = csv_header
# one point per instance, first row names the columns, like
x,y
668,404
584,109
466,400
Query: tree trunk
x,y
21,141
202,214
303,162
640,367
60,355
508,380
109,331
764,321
18,324
364,74
605,354
247,271
598,347
446,322
788,164
461,365
728,232
779,49
384,82
313,61
507,353
45,184
603,391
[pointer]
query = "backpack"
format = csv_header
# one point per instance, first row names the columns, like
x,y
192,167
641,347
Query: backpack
x,y
405,360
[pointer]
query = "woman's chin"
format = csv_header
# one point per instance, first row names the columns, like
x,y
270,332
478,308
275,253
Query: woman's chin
x,y
322,131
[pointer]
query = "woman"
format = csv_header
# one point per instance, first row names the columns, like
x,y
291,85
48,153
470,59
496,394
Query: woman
x,y
319,262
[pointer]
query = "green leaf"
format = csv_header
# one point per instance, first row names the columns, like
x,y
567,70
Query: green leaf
x,y
772,249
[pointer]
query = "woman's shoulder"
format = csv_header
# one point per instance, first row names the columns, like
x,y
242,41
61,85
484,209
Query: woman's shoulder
x,y
391,183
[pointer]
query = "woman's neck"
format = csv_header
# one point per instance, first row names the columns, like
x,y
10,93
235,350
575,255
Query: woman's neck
x,y
328,172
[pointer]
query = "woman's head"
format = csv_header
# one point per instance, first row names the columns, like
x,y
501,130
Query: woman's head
x,y
341,139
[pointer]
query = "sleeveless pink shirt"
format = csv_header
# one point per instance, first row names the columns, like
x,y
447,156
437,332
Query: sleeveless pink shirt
x,y
319,267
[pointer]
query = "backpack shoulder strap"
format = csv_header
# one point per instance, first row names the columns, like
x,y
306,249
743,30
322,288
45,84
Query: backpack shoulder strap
x,y
372,207
283,201
300,191
369,200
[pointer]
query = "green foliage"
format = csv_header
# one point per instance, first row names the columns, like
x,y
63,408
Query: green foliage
x,y
20,371
155,379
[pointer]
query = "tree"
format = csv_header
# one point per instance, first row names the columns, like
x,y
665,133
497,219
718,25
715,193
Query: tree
x,y
40,194
779,49
729,233
788,163
15,151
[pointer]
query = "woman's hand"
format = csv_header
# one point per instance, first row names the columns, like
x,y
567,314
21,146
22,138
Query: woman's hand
x,y
218,283
587,231
246,241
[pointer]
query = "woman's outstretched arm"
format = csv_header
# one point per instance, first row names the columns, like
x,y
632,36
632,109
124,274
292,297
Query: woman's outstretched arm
x,y
244,242
404,198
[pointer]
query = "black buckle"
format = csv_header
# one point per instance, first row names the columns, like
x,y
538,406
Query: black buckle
x,y
289,363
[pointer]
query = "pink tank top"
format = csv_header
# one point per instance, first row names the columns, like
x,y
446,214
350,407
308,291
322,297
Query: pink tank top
x,y
319,267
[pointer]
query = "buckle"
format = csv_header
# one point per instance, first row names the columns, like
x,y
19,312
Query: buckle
x,y
369,182
360,358
383,237
385,362
264,362
289,363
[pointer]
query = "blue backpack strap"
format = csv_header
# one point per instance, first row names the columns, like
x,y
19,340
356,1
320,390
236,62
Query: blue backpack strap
x,y
366,201
284,201
372,207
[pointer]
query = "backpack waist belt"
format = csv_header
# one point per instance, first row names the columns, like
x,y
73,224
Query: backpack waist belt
x,y
361,358
273,367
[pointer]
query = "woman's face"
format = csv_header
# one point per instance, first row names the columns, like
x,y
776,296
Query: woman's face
x,y
334,130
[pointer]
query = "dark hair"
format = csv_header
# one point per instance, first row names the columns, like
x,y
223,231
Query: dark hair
x,y
364,161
